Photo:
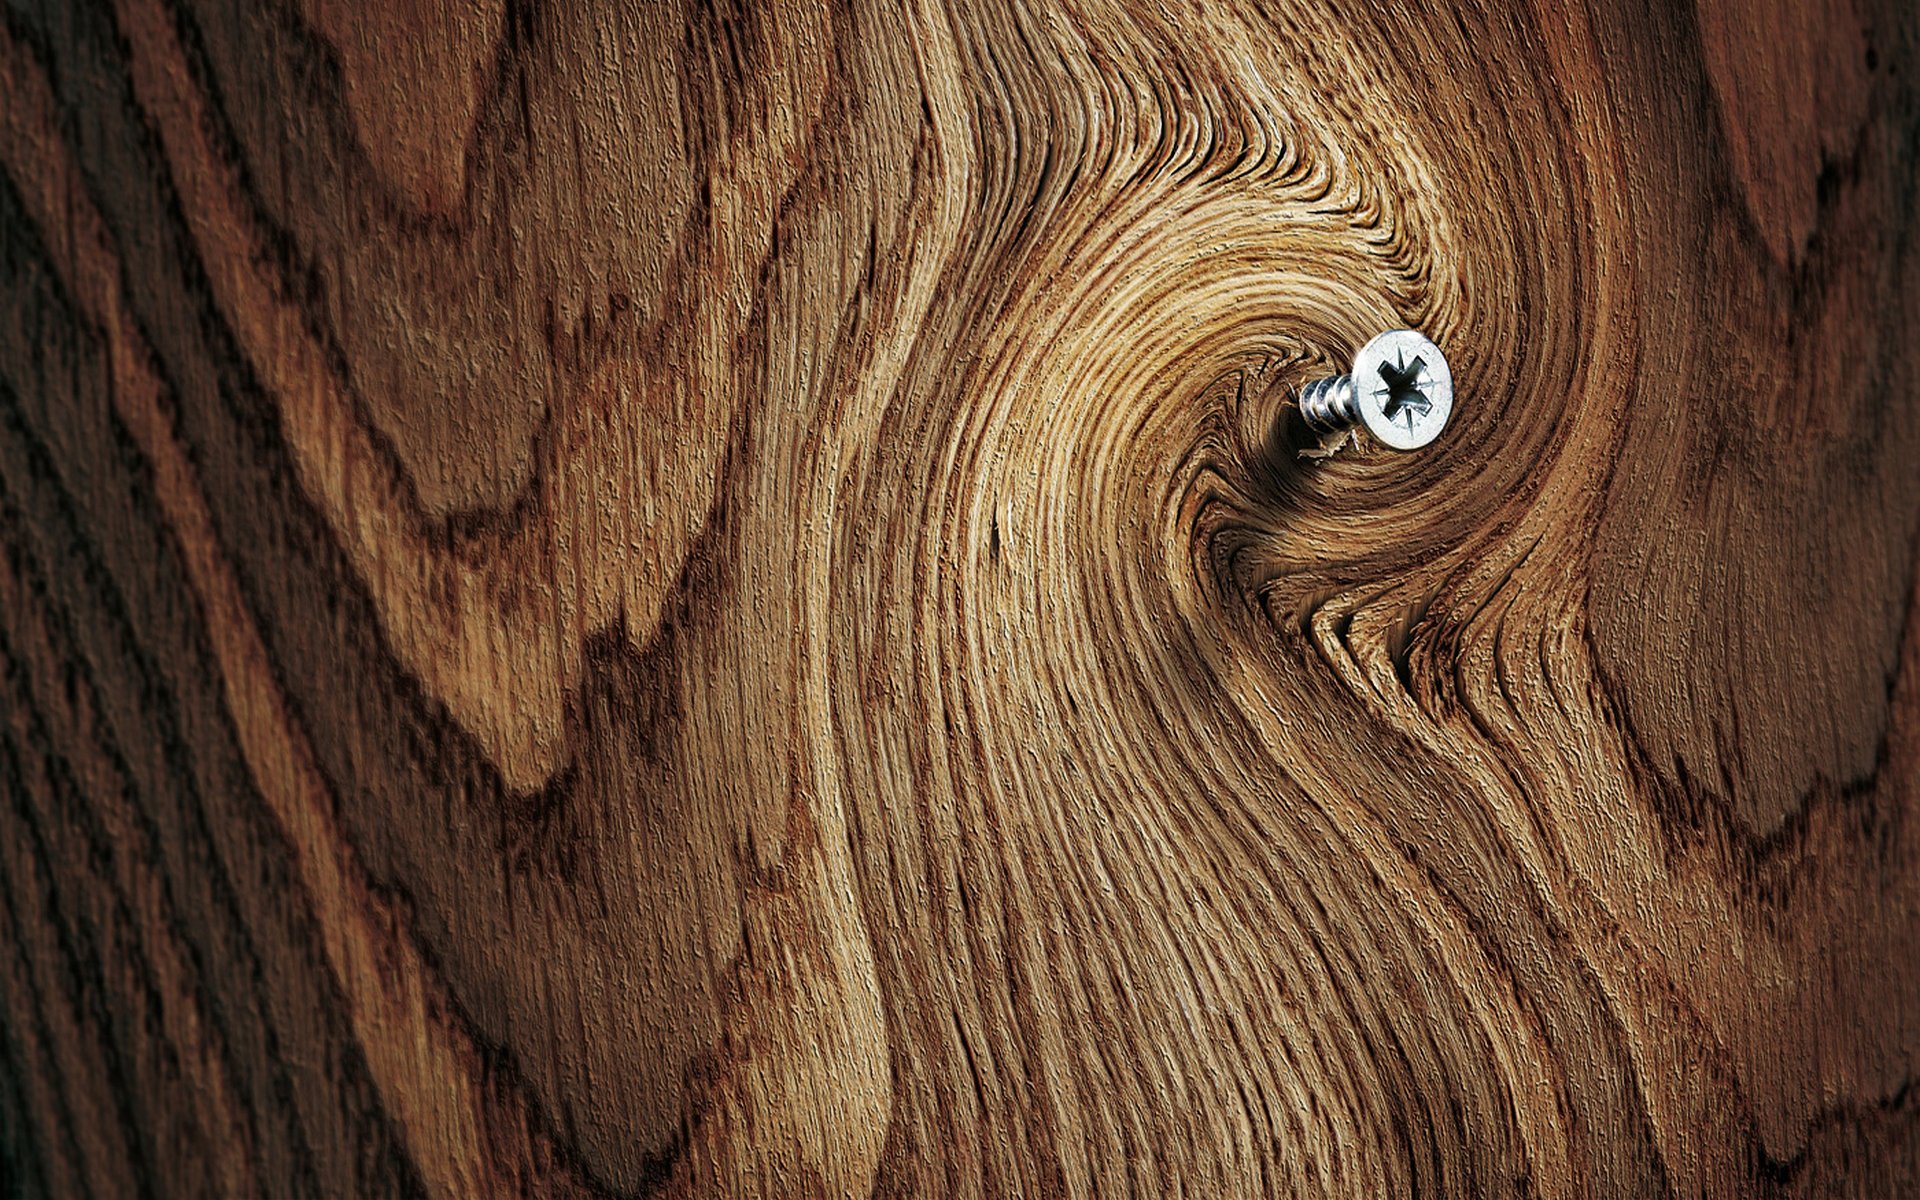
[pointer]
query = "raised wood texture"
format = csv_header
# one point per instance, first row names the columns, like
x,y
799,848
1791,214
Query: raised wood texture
x,y
669,600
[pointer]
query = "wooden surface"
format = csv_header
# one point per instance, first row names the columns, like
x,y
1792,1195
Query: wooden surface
x,y
609,600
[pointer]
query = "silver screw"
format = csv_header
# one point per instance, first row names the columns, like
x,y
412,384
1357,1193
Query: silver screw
x,y
1400,390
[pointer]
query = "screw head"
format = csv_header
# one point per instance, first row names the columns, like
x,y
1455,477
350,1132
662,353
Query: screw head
x,y
1403,389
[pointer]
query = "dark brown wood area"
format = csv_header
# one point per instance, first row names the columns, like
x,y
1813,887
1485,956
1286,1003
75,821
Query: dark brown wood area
x,y
699,600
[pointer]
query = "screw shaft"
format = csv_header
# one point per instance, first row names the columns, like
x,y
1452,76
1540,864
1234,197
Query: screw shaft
x,y
1330,405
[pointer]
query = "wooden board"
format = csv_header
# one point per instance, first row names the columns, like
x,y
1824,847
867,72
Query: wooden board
x,y
709,600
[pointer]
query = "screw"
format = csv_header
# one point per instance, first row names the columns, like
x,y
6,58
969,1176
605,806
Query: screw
x,y
1400,389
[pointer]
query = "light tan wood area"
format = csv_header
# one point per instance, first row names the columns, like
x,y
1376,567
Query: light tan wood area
x,y
646,599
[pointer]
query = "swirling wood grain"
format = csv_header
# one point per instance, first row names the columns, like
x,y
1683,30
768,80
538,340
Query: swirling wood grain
x,y
719,600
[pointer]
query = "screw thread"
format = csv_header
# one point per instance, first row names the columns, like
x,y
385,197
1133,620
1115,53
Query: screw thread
x,y
1329,405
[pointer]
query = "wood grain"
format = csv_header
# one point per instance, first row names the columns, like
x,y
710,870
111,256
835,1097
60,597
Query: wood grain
x,y
704,599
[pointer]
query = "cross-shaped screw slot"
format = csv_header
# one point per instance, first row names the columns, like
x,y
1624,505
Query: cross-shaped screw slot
x,y
1407,411
1403,391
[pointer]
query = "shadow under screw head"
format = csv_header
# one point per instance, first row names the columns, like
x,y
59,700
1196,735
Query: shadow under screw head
x,y
1402,389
